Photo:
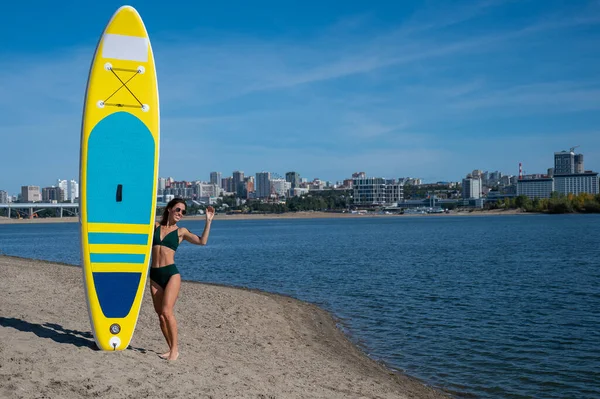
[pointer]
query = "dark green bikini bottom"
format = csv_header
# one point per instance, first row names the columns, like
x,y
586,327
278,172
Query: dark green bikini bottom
x,y
161,275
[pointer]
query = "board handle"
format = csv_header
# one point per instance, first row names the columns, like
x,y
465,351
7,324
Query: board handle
x,y
119,192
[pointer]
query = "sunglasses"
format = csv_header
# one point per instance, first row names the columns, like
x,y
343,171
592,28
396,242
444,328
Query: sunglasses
x,y
177,210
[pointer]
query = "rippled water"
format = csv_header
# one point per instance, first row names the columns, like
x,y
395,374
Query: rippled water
x,y
490,307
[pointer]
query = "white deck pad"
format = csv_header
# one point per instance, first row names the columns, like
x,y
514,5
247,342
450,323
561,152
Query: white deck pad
x,y
123,47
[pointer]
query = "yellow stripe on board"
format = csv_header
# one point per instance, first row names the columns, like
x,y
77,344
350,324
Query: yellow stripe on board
x,y
118,249
118,228
118,267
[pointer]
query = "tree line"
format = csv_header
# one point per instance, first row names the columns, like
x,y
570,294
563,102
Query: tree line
x,y
557,203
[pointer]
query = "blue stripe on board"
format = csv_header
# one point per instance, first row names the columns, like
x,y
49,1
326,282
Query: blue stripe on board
x,y
117,258
117,238
116,292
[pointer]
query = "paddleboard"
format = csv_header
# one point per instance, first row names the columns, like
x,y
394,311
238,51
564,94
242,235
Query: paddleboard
x,y
118,177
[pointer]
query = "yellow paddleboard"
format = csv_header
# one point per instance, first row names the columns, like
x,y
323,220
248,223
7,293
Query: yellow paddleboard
x,y
118,177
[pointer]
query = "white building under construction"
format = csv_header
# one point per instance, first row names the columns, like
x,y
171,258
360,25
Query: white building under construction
x,y
371,191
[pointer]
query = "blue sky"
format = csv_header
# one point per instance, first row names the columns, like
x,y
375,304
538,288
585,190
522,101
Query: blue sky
x,y
429,89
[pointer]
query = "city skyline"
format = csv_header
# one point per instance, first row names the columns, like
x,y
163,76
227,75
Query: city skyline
x,y
238,176
271,175
568,176
422,89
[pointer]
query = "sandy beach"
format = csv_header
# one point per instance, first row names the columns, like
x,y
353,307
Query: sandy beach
x,y
290,215
234,343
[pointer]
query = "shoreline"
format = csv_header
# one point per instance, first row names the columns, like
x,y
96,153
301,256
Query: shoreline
x,y
234,341
291,215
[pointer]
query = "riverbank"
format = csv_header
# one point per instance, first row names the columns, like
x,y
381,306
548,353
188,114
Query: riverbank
x,y
292,215
233,343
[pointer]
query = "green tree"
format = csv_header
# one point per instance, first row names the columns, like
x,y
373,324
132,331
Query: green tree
x,y
542,205
523,201
591,206
559,203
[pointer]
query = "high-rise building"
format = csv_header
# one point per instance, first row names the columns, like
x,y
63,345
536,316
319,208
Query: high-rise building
x,y
579,163
490,178
3,197
249,185
294,179
486,178
263,184
238,183
64,185
73,188
50,194
564,163
280,187
227,184
30,194
215,178
471,187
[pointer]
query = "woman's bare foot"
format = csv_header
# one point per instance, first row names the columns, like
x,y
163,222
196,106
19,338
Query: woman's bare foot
x,y
173,356
165,355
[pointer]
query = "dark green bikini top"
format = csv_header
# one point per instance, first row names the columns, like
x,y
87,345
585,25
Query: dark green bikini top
x,y
170,240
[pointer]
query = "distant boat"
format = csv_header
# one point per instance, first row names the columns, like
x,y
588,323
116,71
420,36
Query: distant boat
x,y
436,210
414,211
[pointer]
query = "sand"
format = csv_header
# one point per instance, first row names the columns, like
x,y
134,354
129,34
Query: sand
x,y
234,343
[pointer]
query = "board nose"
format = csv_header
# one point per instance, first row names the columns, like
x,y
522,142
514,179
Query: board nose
x,y
127,21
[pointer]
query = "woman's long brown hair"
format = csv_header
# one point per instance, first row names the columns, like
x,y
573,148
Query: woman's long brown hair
x,y
171,204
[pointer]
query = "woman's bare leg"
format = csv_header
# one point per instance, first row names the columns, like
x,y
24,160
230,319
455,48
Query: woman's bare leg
x,y
169,298
157,300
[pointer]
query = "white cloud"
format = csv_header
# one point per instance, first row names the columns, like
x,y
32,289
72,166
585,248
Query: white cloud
x,y
541,97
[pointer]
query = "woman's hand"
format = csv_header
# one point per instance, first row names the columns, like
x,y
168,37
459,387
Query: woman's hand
x,y
210,213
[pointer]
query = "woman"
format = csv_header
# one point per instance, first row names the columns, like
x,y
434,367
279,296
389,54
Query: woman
x,y
165,279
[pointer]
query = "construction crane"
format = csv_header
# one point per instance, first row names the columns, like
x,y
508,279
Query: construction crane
x,y
573,148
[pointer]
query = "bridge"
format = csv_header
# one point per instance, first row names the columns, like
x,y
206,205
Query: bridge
x,y
29,209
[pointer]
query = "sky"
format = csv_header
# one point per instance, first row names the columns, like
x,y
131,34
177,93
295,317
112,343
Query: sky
x,y
425,89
